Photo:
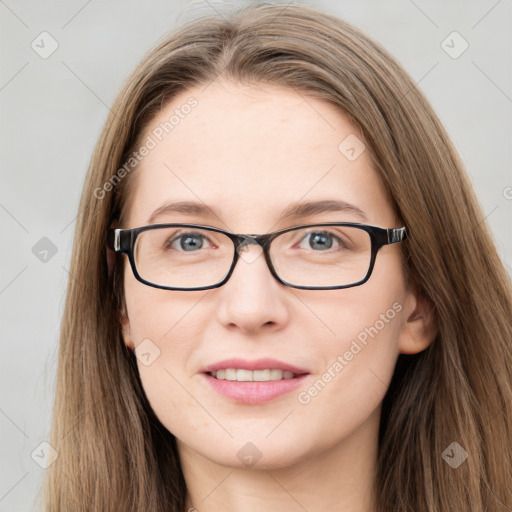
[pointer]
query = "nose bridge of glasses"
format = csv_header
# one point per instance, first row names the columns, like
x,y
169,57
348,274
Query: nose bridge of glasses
x,y
245,240
242,247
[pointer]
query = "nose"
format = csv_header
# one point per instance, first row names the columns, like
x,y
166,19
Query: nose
x,y
252,298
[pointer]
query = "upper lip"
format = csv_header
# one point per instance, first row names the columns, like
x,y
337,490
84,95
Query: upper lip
x,y
257,364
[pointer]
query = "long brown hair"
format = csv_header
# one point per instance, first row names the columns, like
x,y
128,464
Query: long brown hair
x,y
113,452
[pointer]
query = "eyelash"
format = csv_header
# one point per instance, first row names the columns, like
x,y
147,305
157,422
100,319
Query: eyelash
x,y
170,242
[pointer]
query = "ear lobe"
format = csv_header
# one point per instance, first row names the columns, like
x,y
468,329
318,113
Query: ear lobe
x,y
125,330
420,327
111,261
128,340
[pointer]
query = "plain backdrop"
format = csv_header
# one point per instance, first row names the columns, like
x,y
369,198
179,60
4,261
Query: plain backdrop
x,y
53,108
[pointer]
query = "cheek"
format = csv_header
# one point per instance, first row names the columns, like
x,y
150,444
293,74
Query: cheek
x,y
361,355
164,342
166,330
158,315
359,345
357,364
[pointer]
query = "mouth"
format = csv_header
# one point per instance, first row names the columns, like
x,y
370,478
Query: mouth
x,y
243,375
253,382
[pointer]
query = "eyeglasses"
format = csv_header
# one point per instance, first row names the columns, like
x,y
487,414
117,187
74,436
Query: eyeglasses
x,y
311,257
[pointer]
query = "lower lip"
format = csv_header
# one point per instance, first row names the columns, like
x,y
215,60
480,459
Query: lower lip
x,y
254,392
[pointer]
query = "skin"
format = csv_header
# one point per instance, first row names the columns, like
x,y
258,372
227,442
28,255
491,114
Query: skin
x,y
250,151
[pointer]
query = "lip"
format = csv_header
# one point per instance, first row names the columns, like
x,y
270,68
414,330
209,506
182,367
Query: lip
x,y
252,393
258,364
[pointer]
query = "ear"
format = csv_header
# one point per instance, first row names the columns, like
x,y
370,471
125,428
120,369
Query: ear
x,y
111,255
111,261
123,314
125,329
420,326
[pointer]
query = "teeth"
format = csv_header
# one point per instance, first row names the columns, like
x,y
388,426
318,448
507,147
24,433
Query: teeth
x,y
241,375
261,375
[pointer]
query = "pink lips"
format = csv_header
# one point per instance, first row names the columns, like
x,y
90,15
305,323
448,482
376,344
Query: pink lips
x,y
254,392
258,364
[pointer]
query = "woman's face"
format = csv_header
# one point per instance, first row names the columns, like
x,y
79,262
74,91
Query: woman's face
x,y
249,153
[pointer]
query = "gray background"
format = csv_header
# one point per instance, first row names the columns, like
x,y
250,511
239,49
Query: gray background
x,y
52,110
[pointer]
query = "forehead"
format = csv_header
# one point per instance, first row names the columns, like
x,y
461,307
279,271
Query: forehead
x,y
252,151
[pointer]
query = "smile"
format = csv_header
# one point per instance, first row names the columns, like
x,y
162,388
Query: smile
x,y
241,375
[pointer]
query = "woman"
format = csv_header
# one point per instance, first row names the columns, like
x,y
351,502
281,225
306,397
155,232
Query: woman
x,y
358,358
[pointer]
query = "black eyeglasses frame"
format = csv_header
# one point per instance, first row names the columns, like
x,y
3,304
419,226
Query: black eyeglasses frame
x,y
123,241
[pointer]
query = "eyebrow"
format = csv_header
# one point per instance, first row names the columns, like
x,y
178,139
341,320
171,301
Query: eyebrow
x,y
293,211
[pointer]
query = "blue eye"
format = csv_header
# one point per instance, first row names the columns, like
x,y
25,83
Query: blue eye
x,y
188,242
322,240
